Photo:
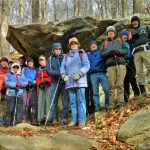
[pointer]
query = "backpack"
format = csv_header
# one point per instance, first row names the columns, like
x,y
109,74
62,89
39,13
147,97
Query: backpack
x,y
80,55
106,43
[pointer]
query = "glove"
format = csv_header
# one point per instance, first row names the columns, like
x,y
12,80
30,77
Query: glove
x,y
42,86
44,80
65,77
18,84
114,52
77,76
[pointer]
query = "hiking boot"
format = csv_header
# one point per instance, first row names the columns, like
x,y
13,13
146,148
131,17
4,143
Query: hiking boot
x,y
143,91
34,122
71,124
55,122
64,121
82,125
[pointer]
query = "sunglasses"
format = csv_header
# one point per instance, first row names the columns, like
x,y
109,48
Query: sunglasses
x,y
16,67
58,49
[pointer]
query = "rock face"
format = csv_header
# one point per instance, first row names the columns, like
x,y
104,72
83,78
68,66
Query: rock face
x,y
136,130
60,141
36,39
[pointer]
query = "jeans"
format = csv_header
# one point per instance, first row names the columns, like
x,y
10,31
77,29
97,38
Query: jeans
x,y
96,79
78,106
54,96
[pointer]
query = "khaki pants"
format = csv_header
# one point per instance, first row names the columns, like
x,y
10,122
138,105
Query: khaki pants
x,y
116,83
140,59
3,107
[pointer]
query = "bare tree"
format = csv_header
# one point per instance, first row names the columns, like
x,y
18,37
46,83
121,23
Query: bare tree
x,y
4,28
124,8
21,11
43,11
77,5
35,11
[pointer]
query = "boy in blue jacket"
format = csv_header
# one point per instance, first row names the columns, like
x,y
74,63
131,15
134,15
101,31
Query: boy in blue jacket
x,y
98,75
15,82
30,94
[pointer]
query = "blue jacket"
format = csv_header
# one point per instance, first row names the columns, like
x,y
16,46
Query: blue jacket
x,y
53,67
97,63
10,83
74,64
30,74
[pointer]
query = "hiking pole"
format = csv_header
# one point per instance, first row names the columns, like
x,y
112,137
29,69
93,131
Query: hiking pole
x,y
16,101
52,103
117,66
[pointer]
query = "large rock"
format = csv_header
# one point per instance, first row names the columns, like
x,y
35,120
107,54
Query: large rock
x,y
60,141
36,39
136,130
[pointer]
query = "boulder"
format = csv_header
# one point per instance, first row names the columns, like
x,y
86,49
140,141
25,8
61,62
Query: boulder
x,y
36,39
136,130
59,141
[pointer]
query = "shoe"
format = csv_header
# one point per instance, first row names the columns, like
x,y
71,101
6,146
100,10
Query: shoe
x,y
64,121
82,125
71,124
55,122
143,91
34,122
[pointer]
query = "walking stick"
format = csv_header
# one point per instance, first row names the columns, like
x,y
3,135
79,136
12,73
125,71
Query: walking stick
x,y
117,66
16,101
52,102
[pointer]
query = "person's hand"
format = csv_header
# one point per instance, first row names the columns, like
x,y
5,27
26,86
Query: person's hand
x,y
42,86
77,76
65,77
18,84
114,52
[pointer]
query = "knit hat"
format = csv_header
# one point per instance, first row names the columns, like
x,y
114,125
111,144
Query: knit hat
x,y
93,42
124,32
71,40
29,59
111,28
135,18
56,45
4,59
42,57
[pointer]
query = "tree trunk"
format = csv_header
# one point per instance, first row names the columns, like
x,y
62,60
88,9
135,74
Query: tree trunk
x,y
35,11
77,5
43,11
4,28
55,13
21,11
114,9
124,8
140,6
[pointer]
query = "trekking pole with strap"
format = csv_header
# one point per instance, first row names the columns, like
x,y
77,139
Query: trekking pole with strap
x,y
52,102
117,66
15,111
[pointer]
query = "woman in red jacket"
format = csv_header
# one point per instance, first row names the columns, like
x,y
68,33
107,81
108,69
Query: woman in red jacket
x,y
43,81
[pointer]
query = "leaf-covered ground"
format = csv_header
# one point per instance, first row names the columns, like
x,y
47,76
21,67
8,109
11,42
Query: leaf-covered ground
x,y
103,130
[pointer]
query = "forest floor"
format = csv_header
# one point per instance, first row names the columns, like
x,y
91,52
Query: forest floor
x,y
103,130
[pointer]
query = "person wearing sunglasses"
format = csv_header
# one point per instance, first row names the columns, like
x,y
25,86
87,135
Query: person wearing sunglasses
x,y
57,85
15,82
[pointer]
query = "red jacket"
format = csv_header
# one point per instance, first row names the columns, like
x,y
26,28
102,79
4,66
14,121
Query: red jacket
x,y
42,74
2,78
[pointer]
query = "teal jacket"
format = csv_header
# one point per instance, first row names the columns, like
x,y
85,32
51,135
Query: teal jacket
x,y
114,45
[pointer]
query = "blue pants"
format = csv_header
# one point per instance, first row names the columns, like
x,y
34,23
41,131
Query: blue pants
x,y
78,106
96,79
65,100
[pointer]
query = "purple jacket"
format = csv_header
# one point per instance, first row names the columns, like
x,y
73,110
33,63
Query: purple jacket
x,y
74,64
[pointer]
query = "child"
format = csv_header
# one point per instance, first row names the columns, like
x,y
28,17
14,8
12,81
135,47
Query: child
x,y
43,81
57,87
15,82
30,94
74,68
131,72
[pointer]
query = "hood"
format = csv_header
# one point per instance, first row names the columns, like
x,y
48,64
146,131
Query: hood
x,y
16,64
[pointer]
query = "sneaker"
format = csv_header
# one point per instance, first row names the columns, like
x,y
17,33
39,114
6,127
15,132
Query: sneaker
x,y
82,125
71,124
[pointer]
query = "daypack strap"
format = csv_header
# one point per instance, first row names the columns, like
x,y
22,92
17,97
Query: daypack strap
x,y
80,55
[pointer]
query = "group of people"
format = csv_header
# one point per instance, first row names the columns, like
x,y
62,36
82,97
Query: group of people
x,y
32,93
